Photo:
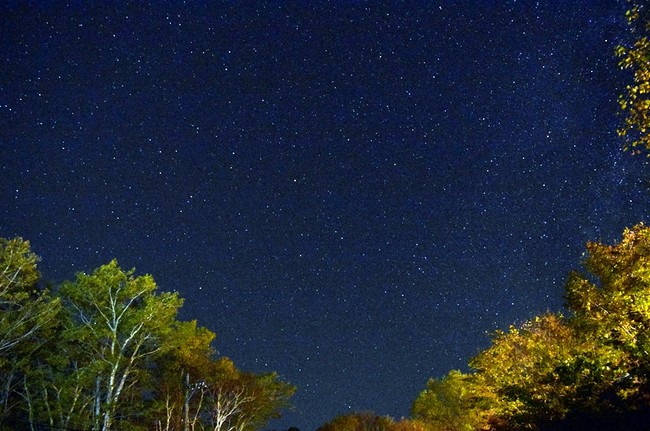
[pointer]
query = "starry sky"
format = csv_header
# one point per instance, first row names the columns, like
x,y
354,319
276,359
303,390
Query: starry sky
x,y
350,193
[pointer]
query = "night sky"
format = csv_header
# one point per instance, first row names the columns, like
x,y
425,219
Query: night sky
x,y
352,194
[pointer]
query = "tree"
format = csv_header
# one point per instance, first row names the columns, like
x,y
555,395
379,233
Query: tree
x,y
593,366
541,371
55,387
181,375
238,401
612,304
411,425
635,101
270,395
368,421
119,322
195,390
457,402
25,312
364,421
21,303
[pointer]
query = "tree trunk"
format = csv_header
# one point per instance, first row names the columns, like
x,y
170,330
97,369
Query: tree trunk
x,y
186,404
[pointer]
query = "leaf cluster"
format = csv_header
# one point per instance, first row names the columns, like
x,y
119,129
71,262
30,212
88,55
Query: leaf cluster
x,y
635,101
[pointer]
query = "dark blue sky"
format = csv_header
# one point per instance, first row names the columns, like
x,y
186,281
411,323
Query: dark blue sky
x,y
351,194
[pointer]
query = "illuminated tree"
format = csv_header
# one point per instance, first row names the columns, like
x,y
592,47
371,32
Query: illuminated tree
x,y
21,304
26,313
542,370
368,421
612,305
410,425
107,352
592,365
635,101
180,377
457,402
197,391
364,421
238,401
119,321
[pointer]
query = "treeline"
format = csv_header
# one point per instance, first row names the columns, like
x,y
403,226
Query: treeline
x,y
589,370
107,352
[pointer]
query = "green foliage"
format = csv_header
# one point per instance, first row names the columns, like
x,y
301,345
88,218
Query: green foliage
x,y
27,315
364,421
635,101
24,308
180,375
410,425
19,272
119,324
107,351
458,402
555,372
612,305
521,367
267,395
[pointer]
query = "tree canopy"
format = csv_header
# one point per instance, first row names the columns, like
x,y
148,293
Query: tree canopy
x,y
588,370
106,351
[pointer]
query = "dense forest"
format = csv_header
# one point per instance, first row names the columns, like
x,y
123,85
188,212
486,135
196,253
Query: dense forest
x,y
106,350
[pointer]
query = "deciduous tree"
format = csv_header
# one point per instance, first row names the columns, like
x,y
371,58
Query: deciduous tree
x,y
238,401
119,322
536,370
611,303
457,402
181,376
25,312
